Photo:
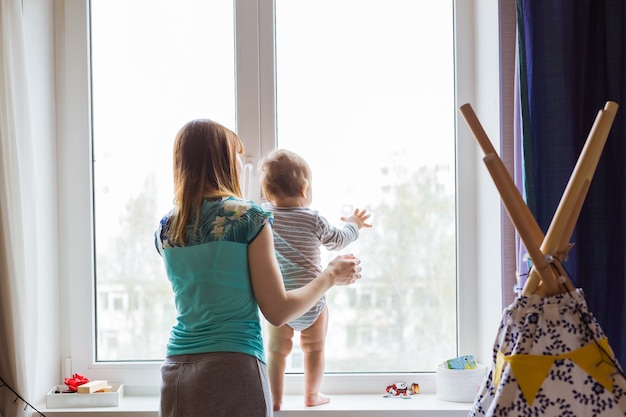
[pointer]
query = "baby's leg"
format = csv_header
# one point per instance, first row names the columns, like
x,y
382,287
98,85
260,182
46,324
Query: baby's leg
x,y
280,345
312,342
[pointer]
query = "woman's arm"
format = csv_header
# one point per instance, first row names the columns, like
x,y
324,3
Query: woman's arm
x,y
278,305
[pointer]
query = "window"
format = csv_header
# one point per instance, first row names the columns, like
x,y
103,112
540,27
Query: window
x,y
155,65
372,110
385,115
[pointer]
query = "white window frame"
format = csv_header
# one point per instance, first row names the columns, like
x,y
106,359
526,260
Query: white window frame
x,y
479,240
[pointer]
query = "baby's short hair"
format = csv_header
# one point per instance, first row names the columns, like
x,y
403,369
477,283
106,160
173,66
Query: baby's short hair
x,y
283,173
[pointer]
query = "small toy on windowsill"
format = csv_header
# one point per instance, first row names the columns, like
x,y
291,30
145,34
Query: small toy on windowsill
x,y
462,362
82,385
94,386
401,390
75,381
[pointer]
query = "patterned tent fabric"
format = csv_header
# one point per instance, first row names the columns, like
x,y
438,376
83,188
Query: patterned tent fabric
x,y
551,358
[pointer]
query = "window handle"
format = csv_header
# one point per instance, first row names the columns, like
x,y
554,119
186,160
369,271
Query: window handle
x,y
248,166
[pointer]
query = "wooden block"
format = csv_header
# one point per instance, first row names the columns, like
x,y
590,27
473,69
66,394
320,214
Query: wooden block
x,y
106,389
92,386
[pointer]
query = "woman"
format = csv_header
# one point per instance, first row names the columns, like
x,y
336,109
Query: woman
x,y
219,256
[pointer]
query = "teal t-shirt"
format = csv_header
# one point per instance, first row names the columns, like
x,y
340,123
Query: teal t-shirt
x,y
216,308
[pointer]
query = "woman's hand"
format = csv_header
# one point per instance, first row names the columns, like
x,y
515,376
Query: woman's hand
x,y
278,305
345,269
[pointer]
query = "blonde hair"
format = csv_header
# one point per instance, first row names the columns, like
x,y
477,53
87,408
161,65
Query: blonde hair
x,y
283,173
205,163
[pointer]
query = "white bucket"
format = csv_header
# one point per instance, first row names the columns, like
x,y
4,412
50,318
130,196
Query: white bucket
x,y
459,385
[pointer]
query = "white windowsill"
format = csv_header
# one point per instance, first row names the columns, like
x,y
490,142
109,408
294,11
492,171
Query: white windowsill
x,y
356,395
369,405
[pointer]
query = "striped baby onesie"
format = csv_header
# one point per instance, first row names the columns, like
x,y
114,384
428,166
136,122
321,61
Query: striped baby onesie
x,y
299,232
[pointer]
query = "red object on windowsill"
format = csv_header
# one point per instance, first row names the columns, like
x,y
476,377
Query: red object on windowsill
x,y
75,381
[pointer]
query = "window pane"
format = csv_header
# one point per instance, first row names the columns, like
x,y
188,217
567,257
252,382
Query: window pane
x,y
155,65
365,93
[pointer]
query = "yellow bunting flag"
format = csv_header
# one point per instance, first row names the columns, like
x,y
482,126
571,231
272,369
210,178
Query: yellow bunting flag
x,y
531,370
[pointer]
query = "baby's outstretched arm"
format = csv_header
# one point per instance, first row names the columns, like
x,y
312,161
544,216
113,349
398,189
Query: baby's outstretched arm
x,y
359,217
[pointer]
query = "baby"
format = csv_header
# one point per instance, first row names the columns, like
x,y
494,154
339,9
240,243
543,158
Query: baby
x,y
298,234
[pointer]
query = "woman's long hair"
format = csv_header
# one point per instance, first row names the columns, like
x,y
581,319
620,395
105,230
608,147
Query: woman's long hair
x,y
205,164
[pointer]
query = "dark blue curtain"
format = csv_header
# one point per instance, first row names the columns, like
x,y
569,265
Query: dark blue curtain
x,y
572,59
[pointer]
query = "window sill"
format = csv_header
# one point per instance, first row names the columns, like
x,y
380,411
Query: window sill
x,y
374,405
370,405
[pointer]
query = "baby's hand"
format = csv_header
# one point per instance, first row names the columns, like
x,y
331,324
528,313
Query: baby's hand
x,y
359,217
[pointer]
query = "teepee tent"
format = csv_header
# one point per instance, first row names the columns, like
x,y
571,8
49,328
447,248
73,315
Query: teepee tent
x,y
550,356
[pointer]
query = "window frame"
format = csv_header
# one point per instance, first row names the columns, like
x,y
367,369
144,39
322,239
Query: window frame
x,y
477,200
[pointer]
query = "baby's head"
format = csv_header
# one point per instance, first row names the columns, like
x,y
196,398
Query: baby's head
x,y
284,174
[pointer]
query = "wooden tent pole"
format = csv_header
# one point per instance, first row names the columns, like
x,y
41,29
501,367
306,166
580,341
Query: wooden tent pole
x,y
519,213
566,215
483,140
556,241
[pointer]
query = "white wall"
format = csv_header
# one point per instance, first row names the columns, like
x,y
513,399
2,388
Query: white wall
x,y
478,63
489,221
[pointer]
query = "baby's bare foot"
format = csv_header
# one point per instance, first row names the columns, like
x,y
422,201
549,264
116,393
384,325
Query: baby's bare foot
x,y
311,400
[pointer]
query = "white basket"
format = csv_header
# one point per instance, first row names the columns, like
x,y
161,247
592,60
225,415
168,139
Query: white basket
x,y
75,400
459,385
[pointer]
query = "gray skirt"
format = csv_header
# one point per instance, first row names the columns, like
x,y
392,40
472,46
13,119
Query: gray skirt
x,y
215,384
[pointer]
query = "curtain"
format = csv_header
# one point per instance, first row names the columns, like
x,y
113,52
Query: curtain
x,y
571,61
18,224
